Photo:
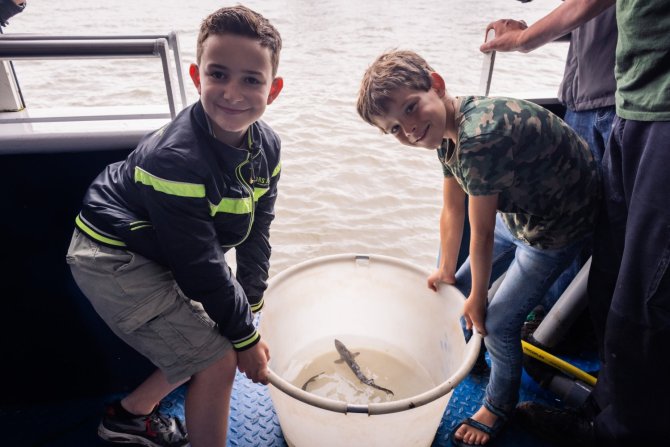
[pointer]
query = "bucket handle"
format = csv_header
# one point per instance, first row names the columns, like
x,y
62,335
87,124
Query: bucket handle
x,y
338,406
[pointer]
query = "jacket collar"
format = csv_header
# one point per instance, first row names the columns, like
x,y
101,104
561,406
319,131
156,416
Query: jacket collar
x,y
253,138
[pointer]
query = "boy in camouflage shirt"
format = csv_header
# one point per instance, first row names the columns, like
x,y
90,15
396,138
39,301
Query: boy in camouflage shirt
x,y
532,191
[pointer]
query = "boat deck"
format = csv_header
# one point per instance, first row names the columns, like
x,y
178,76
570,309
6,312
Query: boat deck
x,y
253,421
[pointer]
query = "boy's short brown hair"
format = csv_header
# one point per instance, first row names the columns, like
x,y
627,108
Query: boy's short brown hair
x,y
398,68
241,21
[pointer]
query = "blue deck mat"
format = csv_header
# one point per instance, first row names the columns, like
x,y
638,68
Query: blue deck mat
x,y
253,421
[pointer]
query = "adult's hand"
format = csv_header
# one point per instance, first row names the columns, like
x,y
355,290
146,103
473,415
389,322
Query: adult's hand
x,y
508,36
254,362
514,35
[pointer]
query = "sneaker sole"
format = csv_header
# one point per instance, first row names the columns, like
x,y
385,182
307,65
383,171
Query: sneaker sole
x,y
123,438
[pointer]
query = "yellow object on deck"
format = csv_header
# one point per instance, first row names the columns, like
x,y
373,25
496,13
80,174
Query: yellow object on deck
x,y
557,363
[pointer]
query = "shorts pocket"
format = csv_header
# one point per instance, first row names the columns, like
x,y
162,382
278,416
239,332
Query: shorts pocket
x,y
69,257
175,338
184,332
80,249
146,310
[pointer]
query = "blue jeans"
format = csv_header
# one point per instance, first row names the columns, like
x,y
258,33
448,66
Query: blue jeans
x,y
530,272
594,126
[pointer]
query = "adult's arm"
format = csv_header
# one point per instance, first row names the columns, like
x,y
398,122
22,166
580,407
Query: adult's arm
x,y
511,35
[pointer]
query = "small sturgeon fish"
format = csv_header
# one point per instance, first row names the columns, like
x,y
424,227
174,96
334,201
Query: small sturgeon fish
x,y
348,357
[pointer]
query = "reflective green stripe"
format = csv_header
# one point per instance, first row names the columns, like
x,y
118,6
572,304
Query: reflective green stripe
x,y
98,237
232,206
258,193
247,341
256,307
277,169
181,189
140,227
237,206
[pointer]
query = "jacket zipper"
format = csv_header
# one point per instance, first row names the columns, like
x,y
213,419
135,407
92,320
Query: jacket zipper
x,y
250,190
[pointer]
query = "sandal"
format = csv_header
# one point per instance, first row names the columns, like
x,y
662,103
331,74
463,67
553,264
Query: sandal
x,y
493,432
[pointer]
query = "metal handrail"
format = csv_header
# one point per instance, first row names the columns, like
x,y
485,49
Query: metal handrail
x,y
31,47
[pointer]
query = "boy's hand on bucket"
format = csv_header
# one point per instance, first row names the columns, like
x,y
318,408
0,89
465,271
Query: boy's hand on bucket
x,y
474,312
254,362
437,277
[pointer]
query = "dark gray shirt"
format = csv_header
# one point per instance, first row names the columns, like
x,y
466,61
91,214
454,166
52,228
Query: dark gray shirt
x,y
588,81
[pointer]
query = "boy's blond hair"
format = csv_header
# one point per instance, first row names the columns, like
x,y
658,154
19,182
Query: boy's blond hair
x,y
241,21
391,70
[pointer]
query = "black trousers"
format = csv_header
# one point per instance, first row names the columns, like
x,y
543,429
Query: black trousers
x,y
629,286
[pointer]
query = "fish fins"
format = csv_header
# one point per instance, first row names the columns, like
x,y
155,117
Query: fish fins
x,y
341,360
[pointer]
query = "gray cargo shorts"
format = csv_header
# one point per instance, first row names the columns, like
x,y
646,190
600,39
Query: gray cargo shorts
x,y
141,302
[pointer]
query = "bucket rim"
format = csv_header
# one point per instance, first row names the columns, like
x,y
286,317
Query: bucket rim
x,y
338,406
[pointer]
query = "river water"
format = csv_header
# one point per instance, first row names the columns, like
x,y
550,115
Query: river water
x,y
345,188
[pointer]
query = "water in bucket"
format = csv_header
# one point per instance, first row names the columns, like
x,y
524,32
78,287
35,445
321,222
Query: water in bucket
x,y
325,375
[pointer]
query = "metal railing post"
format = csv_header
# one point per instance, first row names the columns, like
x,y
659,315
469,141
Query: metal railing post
x,y
174,44
487,68
161,48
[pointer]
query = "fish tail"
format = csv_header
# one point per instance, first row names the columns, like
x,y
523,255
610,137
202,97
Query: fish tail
x,y
381,388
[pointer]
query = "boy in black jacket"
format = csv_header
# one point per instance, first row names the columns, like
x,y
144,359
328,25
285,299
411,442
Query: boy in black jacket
x,y
148,248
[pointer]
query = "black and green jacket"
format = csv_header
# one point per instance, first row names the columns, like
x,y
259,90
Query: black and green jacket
x,y
182,199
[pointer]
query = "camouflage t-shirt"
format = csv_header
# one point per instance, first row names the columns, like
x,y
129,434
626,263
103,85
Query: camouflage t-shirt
x,y
544,174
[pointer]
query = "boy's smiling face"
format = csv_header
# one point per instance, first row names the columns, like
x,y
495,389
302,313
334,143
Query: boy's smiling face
x,y
235,83
416,118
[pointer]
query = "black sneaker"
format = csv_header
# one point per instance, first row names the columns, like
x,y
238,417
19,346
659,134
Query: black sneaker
x,y
153,430
564,427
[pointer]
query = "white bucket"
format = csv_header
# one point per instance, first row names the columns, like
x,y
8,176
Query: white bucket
x,y
374,297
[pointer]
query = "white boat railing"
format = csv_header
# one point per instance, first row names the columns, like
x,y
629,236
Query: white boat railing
x,y
43,47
